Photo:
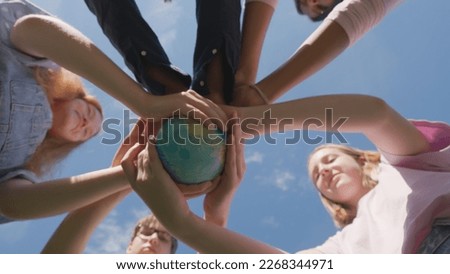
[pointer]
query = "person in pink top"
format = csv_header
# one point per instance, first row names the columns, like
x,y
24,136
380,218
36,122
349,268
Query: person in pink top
x,y
344,22
394,200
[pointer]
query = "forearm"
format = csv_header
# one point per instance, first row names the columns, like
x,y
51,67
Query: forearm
x,y
323,46
74,232
257,17
48,37
23,200
206,237
218,214
364,114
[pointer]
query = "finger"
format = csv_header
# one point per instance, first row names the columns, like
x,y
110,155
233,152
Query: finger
x,y
205,109
128,160
240,155
153,155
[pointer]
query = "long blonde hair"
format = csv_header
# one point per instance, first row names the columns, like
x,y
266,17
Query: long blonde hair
x,y
59,85
341,214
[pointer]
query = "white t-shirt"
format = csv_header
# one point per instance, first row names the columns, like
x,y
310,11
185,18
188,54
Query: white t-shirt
x,y
398,213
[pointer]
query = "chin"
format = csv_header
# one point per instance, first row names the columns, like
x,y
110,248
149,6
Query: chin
x,y
194,190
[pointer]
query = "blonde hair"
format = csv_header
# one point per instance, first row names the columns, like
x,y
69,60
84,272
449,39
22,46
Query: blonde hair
x,y
341,214
59,85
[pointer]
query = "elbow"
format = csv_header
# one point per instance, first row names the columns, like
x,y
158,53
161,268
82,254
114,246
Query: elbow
x,y
28,30
8,209
10,205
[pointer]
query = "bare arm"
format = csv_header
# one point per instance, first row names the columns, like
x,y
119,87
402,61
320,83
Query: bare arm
x,y
257,17
217,203
365,114
74,232
21,199
156,188
323,46
49,37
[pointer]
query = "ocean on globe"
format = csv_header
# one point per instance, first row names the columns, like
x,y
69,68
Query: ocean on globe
x,y
190,152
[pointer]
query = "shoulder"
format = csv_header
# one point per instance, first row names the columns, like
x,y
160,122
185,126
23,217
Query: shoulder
x,y
437,158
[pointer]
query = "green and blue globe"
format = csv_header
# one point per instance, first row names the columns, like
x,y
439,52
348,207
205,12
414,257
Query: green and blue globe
x,y
190,152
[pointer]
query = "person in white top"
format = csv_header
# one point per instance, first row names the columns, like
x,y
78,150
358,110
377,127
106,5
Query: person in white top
x,y
387,201
347,21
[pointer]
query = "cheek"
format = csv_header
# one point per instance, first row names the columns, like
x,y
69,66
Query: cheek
x,y
165,247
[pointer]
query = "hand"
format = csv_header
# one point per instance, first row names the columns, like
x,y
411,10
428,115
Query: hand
x,y
139,134
245,96
153,184
188,104
217,202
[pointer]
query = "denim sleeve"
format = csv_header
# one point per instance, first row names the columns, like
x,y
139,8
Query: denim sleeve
x,y
218,29
123,24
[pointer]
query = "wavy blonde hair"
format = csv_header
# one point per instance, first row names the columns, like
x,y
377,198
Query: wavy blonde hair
x,y
342,214
59,85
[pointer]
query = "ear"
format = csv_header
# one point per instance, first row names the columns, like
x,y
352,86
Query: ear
x,y
129,246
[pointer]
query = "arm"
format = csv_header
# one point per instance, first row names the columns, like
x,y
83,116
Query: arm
x,y
257,17
156,188
21,199
217,203
323,46
74,232
49,37
348,22
365,114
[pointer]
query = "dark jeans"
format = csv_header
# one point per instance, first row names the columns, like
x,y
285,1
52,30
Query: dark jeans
x,y
438,240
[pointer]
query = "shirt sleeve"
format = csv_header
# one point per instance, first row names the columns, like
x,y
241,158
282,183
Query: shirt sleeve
x,y
272,3
19,173
359,16
331,245
436,159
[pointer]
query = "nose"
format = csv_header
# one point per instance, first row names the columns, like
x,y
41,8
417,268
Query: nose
x,y
324,169
153,239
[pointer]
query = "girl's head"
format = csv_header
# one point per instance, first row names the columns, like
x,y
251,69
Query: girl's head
x,y
342,175
77,117
150,237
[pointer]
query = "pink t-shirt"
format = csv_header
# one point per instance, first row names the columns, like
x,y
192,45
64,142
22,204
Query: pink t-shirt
x,y
411,193
359,16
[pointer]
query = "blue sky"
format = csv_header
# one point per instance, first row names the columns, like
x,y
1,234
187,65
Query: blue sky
x,y
405,60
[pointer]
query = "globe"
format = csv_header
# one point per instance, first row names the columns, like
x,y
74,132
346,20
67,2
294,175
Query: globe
x,y
190,152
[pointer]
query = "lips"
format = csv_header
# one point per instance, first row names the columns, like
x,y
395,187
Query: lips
x,y
333,180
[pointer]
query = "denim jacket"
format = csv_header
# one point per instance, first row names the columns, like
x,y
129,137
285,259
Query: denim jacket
x,y
25,113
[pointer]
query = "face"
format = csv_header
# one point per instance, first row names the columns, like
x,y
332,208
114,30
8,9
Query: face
x,y
337,175
75,120
314,8
151,239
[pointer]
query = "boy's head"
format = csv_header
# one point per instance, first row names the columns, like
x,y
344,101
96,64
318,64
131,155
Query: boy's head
x,y
150,237
316,10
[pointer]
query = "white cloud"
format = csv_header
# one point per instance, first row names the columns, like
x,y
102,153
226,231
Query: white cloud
x,y
254,157
163,18
270,221
283,179
114,234
111,236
